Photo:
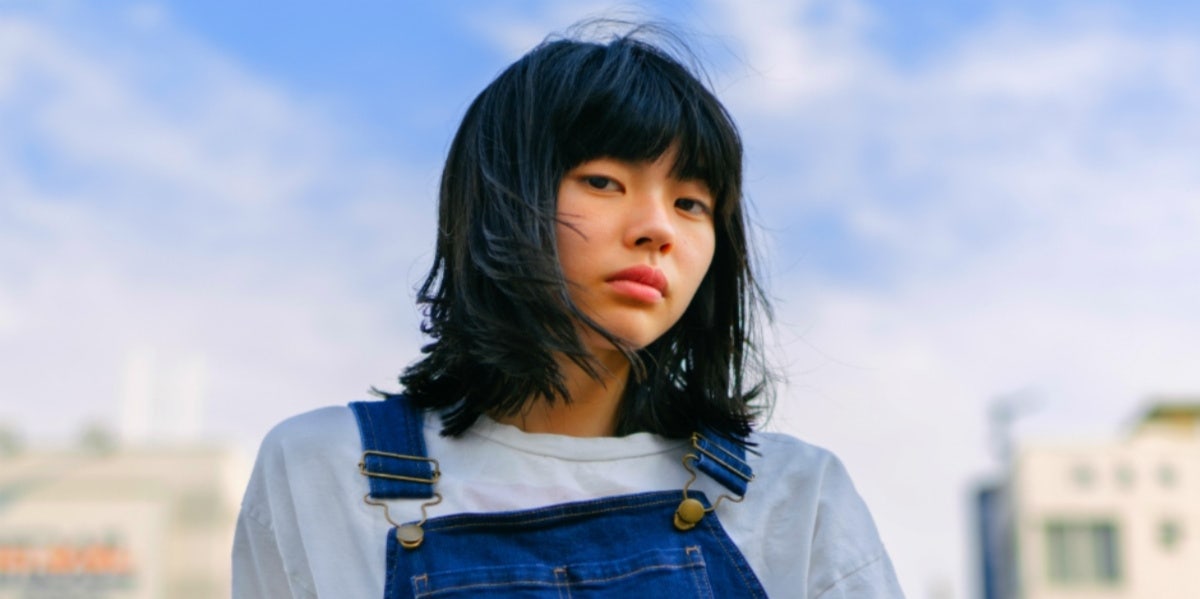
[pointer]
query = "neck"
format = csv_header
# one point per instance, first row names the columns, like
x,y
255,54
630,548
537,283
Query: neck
x,y
593,406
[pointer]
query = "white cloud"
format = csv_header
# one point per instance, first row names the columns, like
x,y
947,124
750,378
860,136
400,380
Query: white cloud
x,y
147,15
799,52
516,34
155,195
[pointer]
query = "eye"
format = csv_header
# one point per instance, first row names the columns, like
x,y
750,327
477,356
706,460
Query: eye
x,y
693,206
601,182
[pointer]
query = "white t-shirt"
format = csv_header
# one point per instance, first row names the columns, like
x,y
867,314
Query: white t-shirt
x,y
304,530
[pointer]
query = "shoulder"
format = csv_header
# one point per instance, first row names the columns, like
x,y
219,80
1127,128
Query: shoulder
x,y
785,455
301,452
303,527
324,434
807,490
783,462
318,427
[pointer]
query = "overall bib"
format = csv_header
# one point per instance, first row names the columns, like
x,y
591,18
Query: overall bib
x,y
635,545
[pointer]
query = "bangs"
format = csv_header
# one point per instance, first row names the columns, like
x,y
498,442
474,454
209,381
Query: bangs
x,y
629,102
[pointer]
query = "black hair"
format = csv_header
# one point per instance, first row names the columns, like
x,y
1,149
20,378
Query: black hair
x,y
496,304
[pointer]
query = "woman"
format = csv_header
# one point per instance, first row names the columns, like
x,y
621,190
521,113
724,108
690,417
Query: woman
x,y
592,372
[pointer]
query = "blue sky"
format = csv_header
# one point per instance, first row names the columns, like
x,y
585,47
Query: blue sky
x,y
218,213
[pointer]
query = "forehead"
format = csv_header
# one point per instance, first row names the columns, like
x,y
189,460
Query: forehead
x,y
634,104
669,161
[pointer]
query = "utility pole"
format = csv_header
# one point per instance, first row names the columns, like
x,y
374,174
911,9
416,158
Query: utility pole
x,y
1003,411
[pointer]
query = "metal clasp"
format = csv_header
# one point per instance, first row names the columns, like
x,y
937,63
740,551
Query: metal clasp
x,y
690,511
697,437
410,536
437,471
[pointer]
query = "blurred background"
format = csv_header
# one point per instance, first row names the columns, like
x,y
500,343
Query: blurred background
x,y
979,222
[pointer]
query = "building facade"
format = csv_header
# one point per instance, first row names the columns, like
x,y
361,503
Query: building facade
x,y
104,522
1116,519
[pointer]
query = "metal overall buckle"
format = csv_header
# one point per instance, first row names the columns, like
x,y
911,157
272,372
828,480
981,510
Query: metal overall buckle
x,y
690,511
409,535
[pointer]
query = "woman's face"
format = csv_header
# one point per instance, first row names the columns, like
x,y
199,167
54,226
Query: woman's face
x,y
634,244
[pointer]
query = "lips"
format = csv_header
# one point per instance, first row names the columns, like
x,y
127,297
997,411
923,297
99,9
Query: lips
x,y
644,282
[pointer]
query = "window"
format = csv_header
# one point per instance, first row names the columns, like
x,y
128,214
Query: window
x,y
1170,532
1167,476
1124,475
1083,553
1083,475
198,508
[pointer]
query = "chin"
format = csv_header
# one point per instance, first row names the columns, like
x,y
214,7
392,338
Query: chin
x,y
636,338
637,328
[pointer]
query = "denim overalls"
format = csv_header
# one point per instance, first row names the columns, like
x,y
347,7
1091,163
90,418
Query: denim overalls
x,y
635,545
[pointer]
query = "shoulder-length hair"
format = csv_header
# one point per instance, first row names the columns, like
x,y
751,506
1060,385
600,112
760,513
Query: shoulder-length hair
x,y
496,303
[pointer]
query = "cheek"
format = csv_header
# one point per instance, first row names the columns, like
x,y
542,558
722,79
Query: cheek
x,y
695,261
702,255
704,264
709,254
572,248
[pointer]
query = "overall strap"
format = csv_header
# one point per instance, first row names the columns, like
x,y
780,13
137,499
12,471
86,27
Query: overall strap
x,y
723,460
393,440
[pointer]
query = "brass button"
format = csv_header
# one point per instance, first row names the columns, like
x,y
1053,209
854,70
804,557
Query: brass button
x,y
689,512
410,536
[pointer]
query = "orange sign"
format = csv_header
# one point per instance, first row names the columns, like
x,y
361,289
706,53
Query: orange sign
x,y
59,563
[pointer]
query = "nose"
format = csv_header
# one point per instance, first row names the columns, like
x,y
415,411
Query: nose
x,y
650,225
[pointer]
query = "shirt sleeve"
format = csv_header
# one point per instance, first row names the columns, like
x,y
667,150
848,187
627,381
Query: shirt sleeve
x,y
874,580
265,562
258,569
849,559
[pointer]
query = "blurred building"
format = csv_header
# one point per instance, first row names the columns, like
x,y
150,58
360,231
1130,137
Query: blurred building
x,y
102,521
1117,519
